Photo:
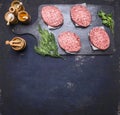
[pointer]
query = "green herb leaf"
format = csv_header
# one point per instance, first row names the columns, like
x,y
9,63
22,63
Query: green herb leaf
x,y
107,20
47,44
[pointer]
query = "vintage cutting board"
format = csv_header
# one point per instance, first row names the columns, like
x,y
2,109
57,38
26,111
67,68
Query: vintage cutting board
x,y
69,26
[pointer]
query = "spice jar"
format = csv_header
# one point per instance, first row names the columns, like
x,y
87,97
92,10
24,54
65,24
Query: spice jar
x,y
17,43
24,17
10,18
12,10
18,6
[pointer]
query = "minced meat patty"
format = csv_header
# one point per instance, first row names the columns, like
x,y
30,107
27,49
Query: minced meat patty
x,y
69,41
80,15
99,38
52,16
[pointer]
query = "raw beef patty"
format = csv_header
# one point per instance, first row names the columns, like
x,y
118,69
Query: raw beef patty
x,y
52,16
80,15
69,41
99,38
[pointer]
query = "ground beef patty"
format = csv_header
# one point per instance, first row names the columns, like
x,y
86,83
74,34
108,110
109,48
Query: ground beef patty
x,y
69,41
99,38
52,16
80,15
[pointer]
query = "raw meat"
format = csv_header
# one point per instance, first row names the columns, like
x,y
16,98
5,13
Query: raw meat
x,y
80,15
69,41
99,38
52,16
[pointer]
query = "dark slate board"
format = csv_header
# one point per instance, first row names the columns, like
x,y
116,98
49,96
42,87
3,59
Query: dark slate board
x,y
69,26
